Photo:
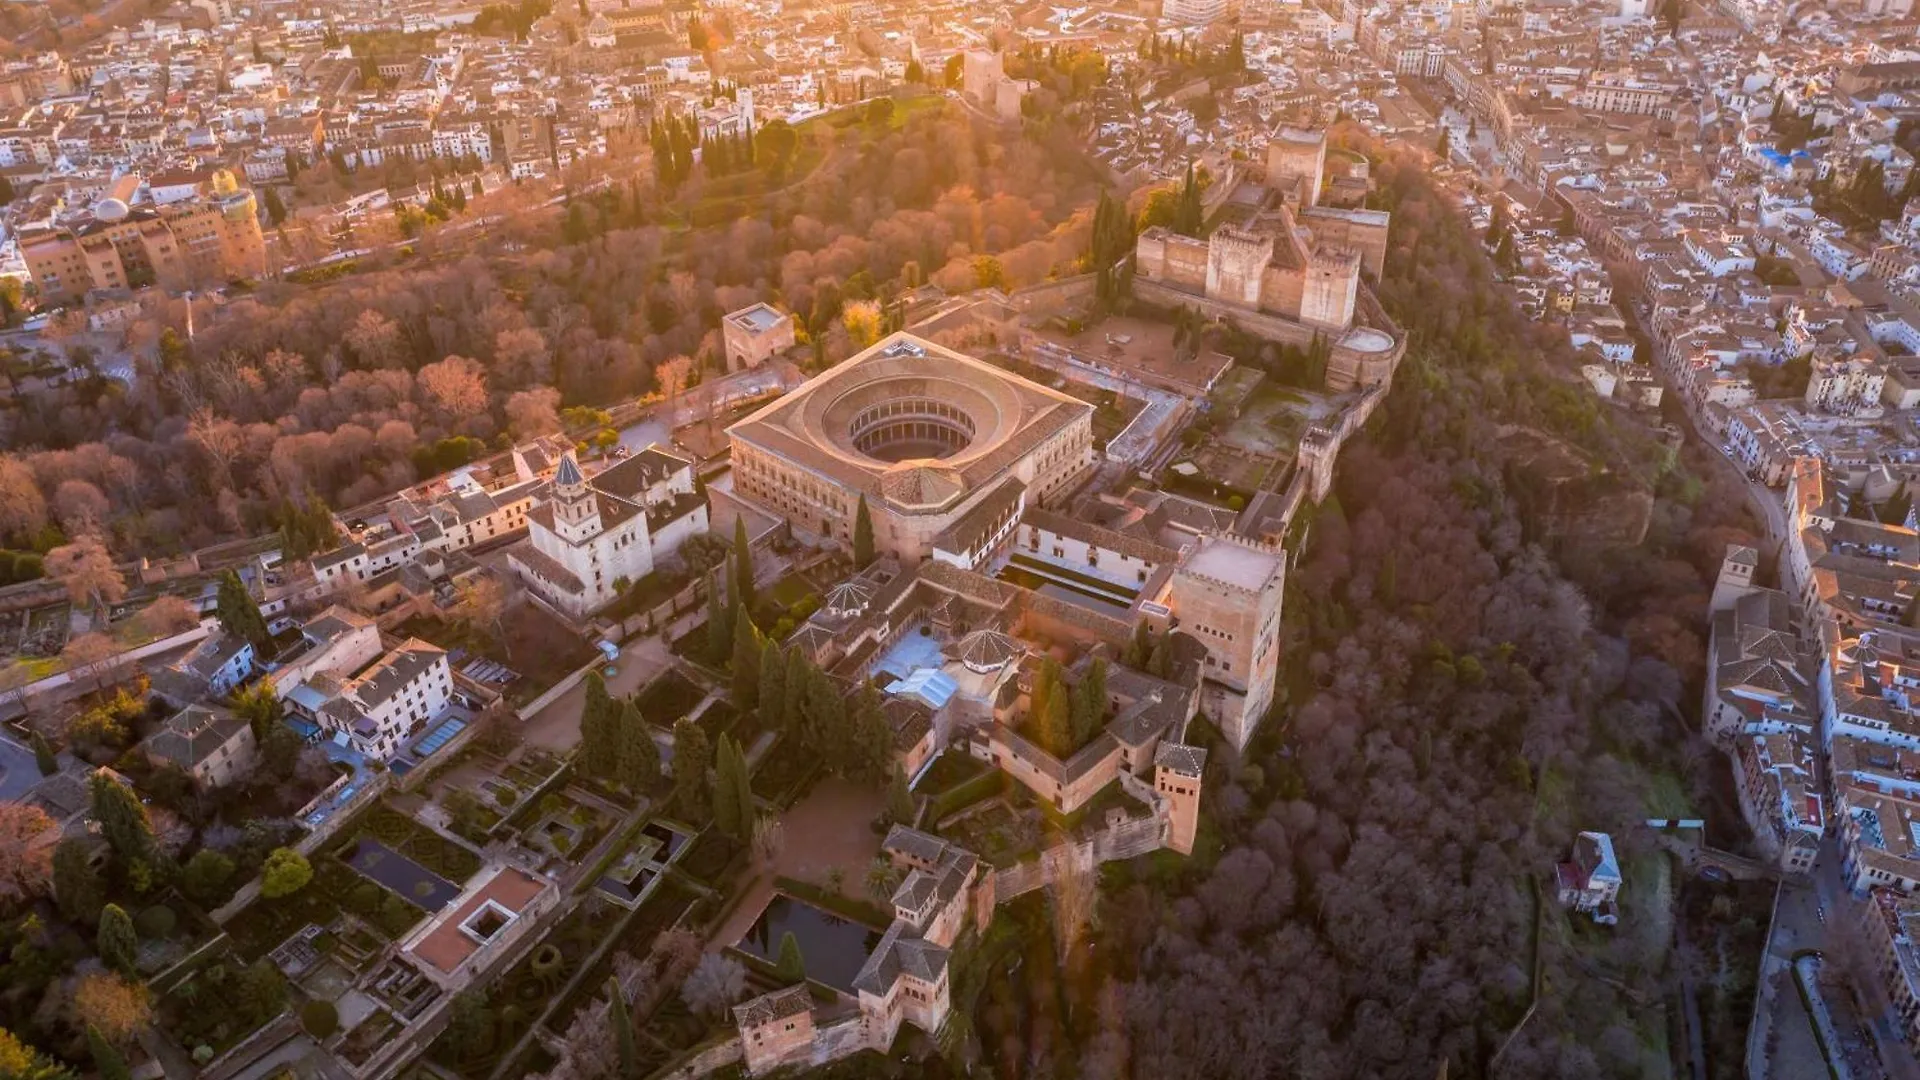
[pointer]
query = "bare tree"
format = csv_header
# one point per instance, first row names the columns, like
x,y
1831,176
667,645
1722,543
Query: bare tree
x,y
23,509
86,571
483,603
717,983
167,615
456,388
90,656
534,412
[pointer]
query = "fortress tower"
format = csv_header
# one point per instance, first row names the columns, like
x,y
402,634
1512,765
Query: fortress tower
x,y
1236,265
1296,163
1331,289
1177,772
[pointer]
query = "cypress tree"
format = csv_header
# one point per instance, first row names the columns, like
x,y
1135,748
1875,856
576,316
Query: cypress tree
x,y
798,709
621,1014
871,740
1089,702
862,535
742,565
1141,647
599,723
238,614
691,756
77,887
1056,725
639,757
747,647
773,687
43,755
747,811
726,801
719,623
116,942
106,1057
123,821
792,967
899,798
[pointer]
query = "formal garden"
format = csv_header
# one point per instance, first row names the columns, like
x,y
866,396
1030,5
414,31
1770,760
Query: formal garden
x,y
380,888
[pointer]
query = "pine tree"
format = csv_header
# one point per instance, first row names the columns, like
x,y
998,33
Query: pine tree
x,y
238,614
43,755
116,942
123,821
639,757
691,756
863,532
899,798
773,687
107,1059
792,967
747,646
742,565
599,728
620,1013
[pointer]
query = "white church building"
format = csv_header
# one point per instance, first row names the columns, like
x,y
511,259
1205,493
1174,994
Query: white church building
x,y
590,538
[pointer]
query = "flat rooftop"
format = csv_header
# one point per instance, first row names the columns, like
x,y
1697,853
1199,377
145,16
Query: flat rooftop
x,y
450,943
1234,564
759,318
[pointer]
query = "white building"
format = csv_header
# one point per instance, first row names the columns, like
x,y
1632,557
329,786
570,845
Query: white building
x,y
1197,12
378,709
588,541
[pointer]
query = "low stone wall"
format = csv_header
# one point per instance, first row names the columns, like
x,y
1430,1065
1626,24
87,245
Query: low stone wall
x,y
843,1039
119,660
1046,297
251,1049
1128,840
703,1061
531,708
688,598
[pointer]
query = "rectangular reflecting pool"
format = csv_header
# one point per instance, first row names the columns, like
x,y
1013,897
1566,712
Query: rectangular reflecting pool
x,y
834,947
414,883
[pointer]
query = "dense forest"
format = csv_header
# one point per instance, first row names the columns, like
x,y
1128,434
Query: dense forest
x,y
1459,702
298,391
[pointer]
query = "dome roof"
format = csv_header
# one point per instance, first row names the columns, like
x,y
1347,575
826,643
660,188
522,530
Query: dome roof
x,y
849,597
110,209
988,650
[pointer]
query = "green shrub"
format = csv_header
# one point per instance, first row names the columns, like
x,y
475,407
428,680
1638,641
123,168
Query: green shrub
x,y
156,922
546,959
364,899
319,1018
